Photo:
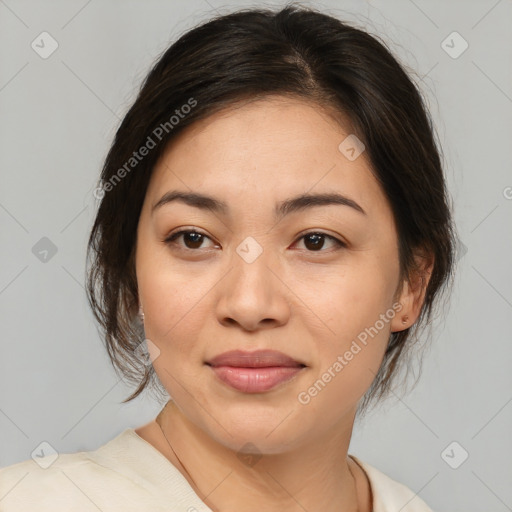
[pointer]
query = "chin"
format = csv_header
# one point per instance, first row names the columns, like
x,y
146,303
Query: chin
x,y
270,429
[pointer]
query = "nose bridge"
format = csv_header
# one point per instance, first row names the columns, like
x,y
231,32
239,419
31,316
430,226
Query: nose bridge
x,y
252,262
251,292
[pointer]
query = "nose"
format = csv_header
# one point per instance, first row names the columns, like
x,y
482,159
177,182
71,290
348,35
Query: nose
x,y
252,295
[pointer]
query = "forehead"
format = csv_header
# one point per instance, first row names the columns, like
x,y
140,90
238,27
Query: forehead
x,y
268,148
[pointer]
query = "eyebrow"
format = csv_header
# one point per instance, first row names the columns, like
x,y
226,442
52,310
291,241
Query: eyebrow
x,y
294,204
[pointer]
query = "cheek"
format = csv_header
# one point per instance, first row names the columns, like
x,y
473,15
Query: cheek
x,y
172,300
345,368
173,323
356,315
347,300
166,291
173,313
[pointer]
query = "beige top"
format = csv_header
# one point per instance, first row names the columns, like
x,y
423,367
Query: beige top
x,y
130,474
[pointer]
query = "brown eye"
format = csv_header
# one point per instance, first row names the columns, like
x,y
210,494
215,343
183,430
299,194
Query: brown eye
x,y
192,239
315,241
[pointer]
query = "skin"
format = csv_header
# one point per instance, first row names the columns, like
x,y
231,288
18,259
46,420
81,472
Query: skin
x,y
200,300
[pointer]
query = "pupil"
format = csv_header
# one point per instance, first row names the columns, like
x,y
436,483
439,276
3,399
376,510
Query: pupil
x,y
195,238
318,240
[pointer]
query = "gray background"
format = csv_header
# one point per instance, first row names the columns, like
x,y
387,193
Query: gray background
x,y
58,116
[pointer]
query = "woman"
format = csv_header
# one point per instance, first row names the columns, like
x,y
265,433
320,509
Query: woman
x,y
274,225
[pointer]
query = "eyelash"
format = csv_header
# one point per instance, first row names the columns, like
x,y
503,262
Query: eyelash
x,y
170,240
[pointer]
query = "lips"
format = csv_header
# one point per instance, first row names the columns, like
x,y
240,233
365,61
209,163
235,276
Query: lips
x,y
257,359
254,372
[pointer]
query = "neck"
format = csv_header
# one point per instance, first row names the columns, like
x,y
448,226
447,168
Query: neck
x,y
319,476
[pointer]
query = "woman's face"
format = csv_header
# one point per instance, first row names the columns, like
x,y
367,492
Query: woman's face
x,y
248,278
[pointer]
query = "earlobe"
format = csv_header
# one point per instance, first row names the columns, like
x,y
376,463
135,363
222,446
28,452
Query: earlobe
x,y
403,319
413,294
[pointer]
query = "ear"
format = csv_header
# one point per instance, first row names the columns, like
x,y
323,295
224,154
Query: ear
x,y
413,290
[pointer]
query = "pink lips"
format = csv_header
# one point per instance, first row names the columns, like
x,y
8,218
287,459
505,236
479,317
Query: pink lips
x,y
254,372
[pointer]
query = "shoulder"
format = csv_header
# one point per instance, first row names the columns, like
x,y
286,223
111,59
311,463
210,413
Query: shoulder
x,y
46,482
390,495
79,481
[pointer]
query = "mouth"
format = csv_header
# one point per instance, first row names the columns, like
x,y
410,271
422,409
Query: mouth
x,y
254,372
256,359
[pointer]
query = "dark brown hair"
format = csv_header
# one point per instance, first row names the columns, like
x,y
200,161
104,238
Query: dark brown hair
x,y
247,55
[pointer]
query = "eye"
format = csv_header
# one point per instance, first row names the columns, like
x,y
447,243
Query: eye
x,y
314,241
191,237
